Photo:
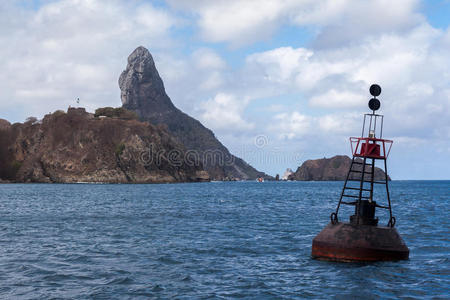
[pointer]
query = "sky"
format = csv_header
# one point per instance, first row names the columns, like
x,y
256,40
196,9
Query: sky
x,y
278,81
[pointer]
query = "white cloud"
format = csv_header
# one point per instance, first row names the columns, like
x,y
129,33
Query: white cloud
x,y
339,21
341,124
337,99
281,63
385,59
205,58
156,21
211,82
291,125
275,108
238,22
72,48
344,22
194,78
419,90
295,125
224,113
406,66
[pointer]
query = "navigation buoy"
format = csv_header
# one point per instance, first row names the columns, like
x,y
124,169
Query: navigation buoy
x,y
362,239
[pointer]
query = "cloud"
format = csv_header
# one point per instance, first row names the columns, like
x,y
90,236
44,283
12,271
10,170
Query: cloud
x,y
72,48
238,22
341,124
224,113
205,58
281,63
295,125
347,22
209,64
406,66
337,21
337,99
276,108
291,125
192,79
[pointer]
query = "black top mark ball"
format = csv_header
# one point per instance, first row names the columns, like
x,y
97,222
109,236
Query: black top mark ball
x,y
374,104
375,90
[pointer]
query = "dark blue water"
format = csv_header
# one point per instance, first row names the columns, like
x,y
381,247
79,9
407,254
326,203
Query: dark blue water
x,y
209,240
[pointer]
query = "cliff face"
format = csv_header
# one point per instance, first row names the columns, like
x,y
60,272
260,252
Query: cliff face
x,y
335,168
76,147
142,91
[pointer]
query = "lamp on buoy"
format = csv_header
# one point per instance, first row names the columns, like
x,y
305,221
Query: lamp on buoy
x,y
361,239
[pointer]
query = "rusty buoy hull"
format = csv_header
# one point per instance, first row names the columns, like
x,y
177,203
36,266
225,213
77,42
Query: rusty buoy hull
x,y
349,243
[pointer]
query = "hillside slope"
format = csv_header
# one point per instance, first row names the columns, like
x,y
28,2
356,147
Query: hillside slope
x,y
77,147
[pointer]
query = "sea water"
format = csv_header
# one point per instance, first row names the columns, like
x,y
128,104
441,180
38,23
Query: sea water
x,y
210,241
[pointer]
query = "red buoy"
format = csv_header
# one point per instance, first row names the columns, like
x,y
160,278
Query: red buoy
x,y
362,239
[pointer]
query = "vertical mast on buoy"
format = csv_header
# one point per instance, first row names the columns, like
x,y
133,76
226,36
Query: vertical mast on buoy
x,y
362,239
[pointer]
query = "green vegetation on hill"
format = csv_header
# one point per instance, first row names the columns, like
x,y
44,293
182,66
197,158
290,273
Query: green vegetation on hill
x,y
119,113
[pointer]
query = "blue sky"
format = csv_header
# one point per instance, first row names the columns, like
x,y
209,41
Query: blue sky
x,y
293,73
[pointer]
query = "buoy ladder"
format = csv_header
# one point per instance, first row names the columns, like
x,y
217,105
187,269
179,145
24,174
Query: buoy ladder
x,y
366,175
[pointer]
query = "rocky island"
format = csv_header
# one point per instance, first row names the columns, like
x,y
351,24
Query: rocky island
x,y
334,168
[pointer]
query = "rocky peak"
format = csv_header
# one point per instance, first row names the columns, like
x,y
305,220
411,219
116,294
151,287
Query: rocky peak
x,y
142,89
140,54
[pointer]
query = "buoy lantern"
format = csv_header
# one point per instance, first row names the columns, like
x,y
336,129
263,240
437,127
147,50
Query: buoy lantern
x,y
362,239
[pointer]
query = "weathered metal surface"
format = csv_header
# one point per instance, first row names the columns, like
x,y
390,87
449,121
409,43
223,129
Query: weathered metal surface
x,y
365,214
347,242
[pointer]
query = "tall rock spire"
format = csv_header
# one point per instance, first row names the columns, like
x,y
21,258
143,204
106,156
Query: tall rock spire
x,y
142,91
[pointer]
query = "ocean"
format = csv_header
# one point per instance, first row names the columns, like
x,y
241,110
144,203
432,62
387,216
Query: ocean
x,y
216,240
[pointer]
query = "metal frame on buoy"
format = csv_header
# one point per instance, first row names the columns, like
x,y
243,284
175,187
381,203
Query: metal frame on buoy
x,y
369,147
362,239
